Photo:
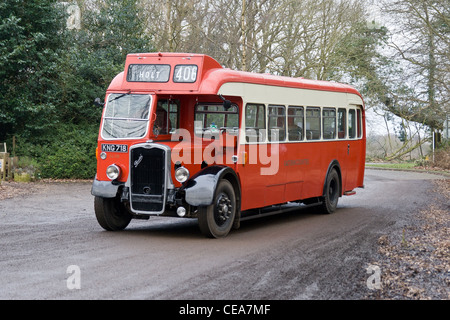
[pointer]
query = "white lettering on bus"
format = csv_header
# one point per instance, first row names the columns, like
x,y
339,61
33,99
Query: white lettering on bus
x,y
188,150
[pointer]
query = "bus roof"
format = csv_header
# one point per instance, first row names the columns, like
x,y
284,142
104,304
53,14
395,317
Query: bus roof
x,y
154,72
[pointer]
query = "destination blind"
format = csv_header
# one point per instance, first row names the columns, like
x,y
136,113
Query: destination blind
x,y
148,73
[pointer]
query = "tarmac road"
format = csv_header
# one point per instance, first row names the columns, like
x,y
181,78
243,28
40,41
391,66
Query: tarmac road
x,y
296,255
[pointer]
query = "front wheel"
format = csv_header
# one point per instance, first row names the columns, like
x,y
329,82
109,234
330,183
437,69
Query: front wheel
x,y
111,214
216,220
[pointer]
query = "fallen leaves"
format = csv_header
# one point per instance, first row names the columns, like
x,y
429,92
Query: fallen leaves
x,y
13,189
416,265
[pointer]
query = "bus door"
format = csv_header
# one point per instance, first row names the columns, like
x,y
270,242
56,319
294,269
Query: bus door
x,y
344,145
354,145
350,131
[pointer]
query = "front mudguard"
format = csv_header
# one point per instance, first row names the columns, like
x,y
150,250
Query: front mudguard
x,y
104,189
199,189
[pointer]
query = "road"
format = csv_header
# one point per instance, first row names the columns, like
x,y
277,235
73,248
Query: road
x,y
297,255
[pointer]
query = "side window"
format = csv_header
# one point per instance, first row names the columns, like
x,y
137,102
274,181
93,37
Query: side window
x,y
329,123
352,123
255,122
211,118
342,123
166,116
277,123
295,123
174,118
359,121
312,123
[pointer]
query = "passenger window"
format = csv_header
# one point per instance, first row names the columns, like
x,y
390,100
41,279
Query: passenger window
x,y
359,122
352,123
342,123
329,123
166,116
312,123
255,122
277,123
295,123
211,118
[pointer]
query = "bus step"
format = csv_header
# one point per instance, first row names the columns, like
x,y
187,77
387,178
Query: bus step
x,y
349,193
275,209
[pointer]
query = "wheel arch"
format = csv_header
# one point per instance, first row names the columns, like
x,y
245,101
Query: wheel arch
x,y
333,165
200,189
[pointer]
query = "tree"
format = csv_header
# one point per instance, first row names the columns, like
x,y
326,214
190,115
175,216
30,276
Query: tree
x,y
114,28
49,77
421,40
286,37
96,54
30,42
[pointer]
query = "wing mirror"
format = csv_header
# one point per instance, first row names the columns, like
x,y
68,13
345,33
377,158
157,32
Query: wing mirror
x,y
226,103
98,102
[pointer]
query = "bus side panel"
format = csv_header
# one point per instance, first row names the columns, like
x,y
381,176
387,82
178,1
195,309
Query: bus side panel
x,y
294,164
301,173
275,181
252,182
262,184
360,149
352,162
318,157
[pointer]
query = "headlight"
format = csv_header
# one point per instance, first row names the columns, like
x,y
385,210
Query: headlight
x,y
181,174
113,172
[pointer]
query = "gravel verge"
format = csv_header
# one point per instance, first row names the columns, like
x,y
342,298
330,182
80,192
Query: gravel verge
x,y
414,263
11,189
14,189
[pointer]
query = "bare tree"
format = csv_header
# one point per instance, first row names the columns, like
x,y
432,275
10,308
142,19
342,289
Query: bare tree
x,y
421,41
287,37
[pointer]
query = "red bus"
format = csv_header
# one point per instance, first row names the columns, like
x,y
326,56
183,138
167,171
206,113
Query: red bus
x,y
182,136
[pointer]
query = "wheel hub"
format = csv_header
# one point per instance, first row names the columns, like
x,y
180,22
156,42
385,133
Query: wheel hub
x,y
223,208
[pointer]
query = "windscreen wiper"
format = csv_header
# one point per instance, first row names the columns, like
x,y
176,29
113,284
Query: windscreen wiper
x,y
120,96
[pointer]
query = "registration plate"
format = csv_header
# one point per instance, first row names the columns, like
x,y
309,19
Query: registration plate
x,y
115,148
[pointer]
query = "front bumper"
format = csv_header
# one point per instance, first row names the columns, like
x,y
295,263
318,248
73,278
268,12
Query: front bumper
x,y
104,189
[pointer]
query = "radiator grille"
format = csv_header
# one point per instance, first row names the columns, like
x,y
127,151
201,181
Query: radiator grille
x,y
148,171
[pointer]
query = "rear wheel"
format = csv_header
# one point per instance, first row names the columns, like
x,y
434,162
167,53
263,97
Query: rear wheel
x,y
332,193
216,220
111,214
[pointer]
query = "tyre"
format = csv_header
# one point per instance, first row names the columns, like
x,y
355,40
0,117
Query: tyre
x,y
332,193
216,220
111,214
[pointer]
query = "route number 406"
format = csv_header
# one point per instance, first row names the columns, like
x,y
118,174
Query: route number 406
x,y
185,73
